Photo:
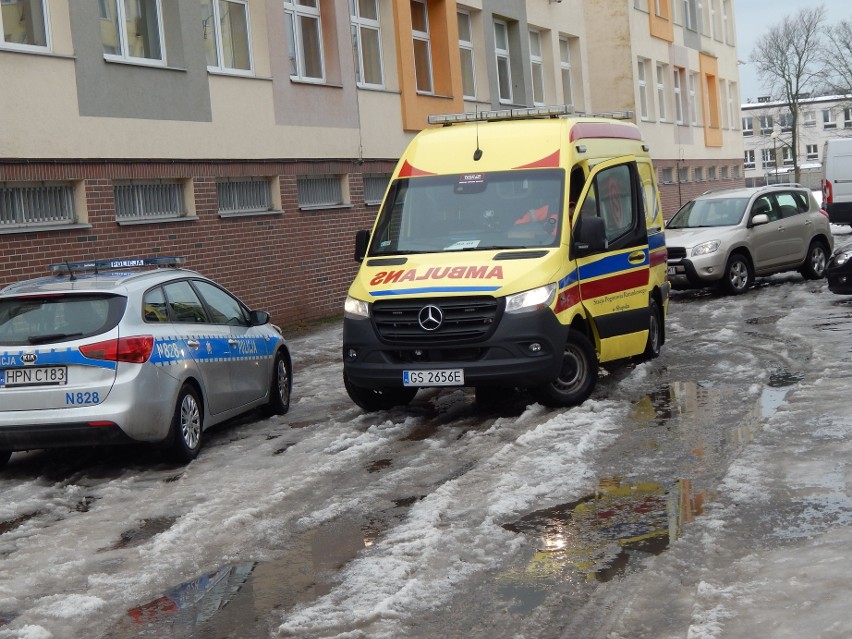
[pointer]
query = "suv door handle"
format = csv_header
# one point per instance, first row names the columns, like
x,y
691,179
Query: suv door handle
x,y
636,257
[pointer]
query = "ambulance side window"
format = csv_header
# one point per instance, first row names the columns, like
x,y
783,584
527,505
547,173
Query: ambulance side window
x,y
615,198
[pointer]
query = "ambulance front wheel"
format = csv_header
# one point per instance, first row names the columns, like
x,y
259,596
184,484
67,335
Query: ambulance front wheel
x,y
655,331
373,399
578,375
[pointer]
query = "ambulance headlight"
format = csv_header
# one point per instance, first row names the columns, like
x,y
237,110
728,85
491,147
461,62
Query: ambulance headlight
x,y
706,248
531,300
355,309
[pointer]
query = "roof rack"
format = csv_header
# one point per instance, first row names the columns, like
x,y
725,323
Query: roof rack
x,y
69,268
559,110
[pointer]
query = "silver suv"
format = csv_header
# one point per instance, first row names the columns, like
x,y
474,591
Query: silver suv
x,y
728,237
114,351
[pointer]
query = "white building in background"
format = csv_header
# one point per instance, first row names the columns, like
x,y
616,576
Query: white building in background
x,y
767,137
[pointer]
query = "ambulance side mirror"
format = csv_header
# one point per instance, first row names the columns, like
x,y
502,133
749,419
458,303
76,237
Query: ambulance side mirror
x,y
362,239
592,236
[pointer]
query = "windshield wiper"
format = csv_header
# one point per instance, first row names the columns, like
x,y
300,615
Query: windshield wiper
x,y
51,337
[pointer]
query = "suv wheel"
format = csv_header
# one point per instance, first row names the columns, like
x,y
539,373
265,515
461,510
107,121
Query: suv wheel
x,y
816,261
738,275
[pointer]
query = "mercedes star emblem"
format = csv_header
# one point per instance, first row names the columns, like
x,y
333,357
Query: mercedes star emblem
x,y
430,318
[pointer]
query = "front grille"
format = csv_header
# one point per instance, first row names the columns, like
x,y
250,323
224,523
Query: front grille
x,y
464,319
676,252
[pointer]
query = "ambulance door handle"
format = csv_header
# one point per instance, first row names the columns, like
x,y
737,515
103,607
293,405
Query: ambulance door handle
x,y
637,257
192,343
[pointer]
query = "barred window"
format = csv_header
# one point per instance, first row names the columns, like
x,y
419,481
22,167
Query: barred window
x,y
244,196
148,201
23,206
374,188
320,191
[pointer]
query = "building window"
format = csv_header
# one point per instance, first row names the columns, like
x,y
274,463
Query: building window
x,y
679,95
711,173
134,31
689,14
693,97
785,121
699,173
139,201
726,23
749,159
320,191
565,69
661,91
847,118
748,123
36,205
725,172
23,25
787,155
244,196
225,30
809,118
304,40
767,157
468,65
766,124
536,68
667,175
367,41
504,71
683,174
812,151
736,172
828,119
732,104
643,90
374,188
422,46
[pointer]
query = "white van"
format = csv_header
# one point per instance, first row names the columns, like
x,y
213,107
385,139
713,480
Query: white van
x,y
837,183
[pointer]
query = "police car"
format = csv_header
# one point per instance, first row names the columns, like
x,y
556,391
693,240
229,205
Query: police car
x,y
131,350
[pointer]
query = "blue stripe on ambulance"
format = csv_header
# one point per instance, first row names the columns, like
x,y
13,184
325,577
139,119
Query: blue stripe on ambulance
x,y
656,241
610,265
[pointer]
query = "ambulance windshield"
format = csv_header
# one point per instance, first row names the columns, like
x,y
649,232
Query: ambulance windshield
x,y
473,211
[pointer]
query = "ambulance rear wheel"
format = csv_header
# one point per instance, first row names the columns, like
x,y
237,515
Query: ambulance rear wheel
x,y
578,375
373,399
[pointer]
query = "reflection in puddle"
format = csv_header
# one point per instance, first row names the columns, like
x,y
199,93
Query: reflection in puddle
x,y
600,536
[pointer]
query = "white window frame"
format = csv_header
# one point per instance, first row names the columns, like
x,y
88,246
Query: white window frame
x,y
828,121
809,118
503,55
767,124
767,157
732,105
423,37
748,125
124,55
691,79
786,155
565,70
467,46
23,46
677,78
213,24
661,91
748,160
536,68
847,118
714,29
812,151
689,15
359,25
642,81
294,12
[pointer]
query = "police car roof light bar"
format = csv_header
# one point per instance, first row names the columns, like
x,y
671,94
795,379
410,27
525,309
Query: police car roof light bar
x,y
70,268
559,110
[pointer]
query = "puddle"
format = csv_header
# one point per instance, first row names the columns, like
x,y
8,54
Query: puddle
x,y
599,536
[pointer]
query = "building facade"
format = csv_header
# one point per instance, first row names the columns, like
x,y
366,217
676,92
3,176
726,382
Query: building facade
x,y
255,136
768,138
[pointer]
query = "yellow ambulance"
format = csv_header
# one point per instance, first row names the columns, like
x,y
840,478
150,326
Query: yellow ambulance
x,y
513,249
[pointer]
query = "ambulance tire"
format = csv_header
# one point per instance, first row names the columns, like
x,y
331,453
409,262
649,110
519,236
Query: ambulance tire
x,y
187,426
4,457
655,331
577,378
373,399
280,386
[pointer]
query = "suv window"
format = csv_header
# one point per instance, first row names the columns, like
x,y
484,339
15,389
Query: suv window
x,y
764,204
57,318
789,205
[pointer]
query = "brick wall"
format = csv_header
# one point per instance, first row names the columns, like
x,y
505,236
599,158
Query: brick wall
x,y
675,193
296,264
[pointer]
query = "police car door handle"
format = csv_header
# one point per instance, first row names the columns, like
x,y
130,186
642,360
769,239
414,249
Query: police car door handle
x,y
637,257
192,343
233,343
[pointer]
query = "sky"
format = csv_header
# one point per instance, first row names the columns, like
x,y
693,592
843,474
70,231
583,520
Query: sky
x,y
753,18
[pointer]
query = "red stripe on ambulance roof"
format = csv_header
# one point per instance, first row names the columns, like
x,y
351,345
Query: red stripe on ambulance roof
x,y
411,171
583,130
614,284
551,161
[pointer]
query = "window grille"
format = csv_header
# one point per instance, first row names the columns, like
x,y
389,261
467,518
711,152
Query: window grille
x,y
148,201
36,205
374,188
243,196
320,191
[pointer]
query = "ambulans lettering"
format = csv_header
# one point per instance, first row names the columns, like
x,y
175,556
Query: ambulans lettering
x,y
438,273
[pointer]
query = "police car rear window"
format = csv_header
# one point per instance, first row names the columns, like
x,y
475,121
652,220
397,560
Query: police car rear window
x,y
47,319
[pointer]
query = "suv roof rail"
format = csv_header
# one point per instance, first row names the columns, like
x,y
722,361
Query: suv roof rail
x,y
69,268
559,110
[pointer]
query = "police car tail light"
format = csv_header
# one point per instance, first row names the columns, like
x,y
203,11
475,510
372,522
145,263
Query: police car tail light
x,y
135,350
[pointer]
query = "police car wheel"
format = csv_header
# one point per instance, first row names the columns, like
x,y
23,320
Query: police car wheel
x,y
4,457
373,399
578,376
655,331
187,426
280,386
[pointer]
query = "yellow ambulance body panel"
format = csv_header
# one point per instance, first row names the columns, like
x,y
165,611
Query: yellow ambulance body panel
x,y
510,251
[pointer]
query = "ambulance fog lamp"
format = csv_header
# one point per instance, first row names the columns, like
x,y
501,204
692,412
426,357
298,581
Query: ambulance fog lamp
x,y
534,299
535,347
355,309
